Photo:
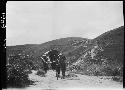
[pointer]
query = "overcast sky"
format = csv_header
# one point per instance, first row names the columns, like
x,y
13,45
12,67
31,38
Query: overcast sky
x,y
41,21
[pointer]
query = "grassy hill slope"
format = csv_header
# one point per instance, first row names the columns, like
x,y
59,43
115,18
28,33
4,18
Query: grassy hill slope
x,y
104,56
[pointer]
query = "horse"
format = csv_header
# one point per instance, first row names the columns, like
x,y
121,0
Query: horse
x,y
58,62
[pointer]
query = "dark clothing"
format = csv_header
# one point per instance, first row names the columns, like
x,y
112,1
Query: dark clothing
x,y
63,73
45,67
53,65
63,62
58,69
45,64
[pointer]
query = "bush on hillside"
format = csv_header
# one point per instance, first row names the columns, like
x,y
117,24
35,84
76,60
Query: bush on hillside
x,y
70,75
41,73
17,72
117,78
16,77
97,73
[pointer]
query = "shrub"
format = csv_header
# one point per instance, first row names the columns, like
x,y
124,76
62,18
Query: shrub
x,y
116,72
17,78
117,78
107,71
97,73
17,72
41,73
71,75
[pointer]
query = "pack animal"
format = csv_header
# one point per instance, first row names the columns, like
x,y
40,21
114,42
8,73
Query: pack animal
x,y
58,63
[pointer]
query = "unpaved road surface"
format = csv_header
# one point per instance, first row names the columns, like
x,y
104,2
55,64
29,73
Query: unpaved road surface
x,y
81,81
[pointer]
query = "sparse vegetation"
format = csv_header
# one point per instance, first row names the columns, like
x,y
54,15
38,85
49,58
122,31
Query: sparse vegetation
x,y
108,55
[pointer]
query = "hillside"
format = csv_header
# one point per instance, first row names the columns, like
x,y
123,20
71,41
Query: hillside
x,y
104,57
112,43
32,52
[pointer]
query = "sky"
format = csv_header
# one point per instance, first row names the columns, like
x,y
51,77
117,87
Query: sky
x,y
36,22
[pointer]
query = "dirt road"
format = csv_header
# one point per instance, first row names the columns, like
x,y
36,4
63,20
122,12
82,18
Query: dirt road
x,y
81,81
